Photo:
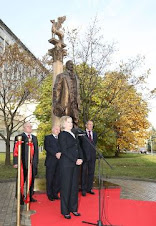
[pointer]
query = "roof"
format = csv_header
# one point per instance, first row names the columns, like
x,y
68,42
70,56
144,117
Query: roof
x,y
16,38
21,43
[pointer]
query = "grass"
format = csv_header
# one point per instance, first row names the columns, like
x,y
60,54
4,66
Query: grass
x,y
8,172
137,166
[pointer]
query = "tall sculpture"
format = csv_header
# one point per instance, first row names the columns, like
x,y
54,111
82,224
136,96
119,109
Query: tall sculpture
x,y
57,52
66,97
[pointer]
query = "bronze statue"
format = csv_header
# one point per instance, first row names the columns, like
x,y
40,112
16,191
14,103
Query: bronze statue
x,y
66,97
56,28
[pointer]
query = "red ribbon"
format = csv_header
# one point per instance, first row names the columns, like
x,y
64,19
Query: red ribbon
x,y
31,145
16,148
27,199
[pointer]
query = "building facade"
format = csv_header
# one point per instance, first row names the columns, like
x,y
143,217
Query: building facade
x,y
7,37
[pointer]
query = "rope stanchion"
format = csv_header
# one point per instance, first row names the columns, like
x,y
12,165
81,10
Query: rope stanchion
x,y
29,177
18,153
29,212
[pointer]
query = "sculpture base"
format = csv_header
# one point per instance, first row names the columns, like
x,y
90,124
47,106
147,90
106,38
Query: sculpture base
x,y
55,41
27,214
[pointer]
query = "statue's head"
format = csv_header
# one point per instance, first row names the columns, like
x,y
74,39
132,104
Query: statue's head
x,y
69,65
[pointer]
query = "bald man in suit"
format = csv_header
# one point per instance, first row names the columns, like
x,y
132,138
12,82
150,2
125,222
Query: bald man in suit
x,y
53,155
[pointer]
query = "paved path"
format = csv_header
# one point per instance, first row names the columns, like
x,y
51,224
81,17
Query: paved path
x,y
8,205
136,190
130,189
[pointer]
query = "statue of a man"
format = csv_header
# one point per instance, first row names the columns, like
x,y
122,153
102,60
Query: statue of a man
x,y
66,97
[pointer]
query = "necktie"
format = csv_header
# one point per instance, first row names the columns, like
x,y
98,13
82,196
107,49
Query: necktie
x,y
56,137
28,136
89,135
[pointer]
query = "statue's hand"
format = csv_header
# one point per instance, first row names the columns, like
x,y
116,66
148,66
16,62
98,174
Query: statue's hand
x,y
59,111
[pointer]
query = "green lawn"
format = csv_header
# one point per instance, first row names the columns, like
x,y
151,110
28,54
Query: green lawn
x,y
8,172
127,165
139,166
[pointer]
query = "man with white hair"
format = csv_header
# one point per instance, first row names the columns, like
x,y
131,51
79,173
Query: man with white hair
x,y
26,135
53,155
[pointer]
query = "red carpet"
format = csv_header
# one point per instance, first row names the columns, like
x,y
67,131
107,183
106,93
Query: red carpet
x,y
115,211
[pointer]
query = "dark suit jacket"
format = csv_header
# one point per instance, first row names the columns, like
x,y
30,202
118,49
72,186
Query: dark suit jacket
x,y
70,149
89,151
51,146
25,152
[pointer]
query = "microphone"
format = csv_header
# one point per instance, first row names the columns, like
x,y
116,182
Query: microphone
x,y
78,131
81,135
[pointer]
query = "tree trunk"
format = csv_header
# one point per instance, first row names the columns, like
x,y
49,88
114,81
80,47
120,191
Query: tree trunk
x,y
7,157
117,151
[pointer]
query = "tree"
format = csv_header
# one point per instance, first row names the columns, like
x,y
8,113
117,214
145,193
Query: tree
x,y
118,110
151,142
43,110
131,124
20,76
94,56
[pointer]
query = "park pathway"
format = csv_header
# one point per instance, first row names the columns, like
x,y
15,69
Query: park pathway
x,y
130,189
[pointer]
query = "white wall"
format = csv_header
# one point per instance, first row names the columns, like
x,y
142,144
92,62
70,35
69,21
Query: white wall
x,y
2,145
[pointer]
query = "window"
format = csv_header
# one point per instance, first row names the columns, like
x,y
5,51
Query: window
x,y
1,39
2,132
1,49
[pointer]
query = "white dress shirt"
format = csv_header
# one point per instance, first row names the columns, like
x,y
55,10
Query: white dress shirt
x,y
91,133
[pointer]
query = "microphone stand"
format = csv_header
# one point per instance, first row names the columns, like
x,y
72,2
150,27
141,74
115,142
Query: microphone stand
x,y
100,156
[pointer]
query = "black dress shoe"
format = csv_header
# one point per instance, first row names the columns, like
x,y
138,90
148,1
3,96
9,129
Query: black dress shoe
x,y
67,216
22,202
33,200
51,199
83,193
91,192
76,214
56,197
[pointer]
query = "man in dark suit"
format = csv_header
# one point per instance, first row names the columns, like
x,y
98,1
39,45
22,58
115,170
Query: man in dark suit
x,y
88,144
27,128
53,155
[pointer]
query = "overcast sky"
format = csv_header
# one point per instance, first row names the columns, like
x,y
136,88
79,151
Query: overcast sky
x,y
130,23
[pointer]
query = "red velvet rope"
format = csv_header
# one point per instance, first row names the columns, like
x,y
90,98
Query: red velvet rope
x,y
16,148
27,199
